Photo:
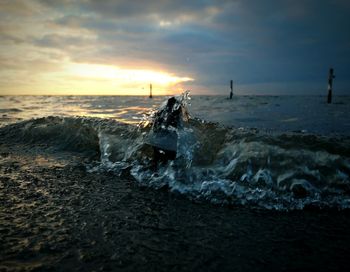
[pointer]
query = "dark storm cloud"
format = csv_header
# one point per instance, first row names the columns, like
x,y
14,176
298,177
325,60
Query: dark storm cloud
x,y
251,42
289,41
134,31
139,10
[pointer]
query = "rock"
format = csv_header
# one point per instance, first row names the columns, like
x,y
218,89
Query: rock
x,y
301,188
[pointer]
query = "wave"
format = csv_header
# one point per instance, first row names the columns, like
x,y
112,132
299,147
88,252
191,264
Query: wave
x,y
71,134
223,165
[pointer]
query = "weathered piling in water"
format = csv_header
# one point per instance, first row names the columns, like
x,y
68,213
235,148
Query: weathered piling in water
x,y
150,90
231,86
330,85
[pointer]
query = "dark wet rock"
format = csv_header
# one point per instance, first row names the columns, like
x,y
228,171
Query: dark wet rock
x,y
4,154
301,188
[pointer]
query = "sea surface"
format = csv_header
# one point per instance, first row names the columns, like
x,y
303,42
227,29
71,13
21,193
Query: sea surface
x,y
275,152
78,190
275,113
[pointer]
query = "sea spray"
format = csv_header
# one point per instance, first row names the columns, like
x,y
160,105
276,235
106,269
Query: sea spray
x,y
215,163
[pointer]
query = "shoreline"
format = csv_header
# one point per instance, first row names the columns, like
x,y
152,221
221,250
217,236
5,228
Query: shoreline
x,y
56,216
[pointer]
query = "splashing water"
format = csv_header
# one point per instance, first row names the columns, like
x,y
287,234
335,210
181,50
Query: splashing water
x,y
213,163
240,167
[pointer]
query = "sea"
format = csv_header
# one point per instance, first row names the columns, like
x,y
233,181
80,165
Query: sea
x,y
258,183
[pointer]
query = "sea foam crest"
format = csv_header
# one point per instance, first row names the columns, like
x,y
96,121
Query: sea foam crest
x,y
214,163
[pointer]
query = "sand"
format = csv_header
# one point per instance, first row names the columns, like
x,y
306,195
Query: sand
x,y
56,216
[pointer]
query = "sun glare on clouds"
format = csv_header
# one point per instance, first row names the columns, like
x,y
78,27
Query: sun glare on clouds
x,y
125,77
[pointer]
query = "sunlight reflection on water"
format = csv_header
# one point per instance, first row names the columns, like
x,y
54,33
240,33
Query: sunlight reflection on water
x,y
281,113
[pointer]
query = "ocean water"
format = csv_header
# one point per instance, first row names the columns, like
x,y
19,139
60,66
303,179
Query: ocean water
x,y
275,113
271,152
259,183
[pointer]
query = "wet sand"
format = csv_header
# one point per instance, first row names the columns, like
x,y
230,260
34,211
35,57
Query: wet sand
x,y
56,216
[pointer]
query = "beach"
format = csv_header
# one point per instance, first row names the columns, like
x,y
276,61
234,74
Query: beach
x,y
57,217
75,196
174,135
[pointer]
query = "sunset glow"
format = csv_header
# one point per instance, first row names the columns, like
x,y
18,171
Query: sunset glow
x,y
95,71
120,47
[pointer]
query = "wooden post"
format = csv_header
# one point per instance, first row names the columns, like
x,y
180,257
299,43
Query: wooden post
x,y
330,85
231,86
150,90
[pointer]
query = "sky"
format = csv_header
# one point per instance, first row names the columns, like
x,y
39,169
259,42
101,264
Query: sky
x,y
105,47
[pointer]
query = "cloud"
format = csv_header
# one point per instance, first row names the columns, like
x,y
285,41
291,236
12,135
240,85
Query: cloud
x,y
63,42
17,8
253,42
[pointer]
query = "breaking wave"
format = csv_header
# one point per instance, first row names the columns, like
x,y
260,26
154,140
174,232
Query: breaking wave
x,y
223,165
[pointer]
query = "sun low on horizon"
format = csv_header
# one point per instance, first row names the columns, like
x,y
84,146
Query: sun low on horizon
x,y
119,47
101,79
41,55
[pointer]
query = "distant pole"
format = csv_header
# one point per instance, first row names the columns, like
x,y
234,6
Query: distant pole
x,y
231,86
150,90
330,85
